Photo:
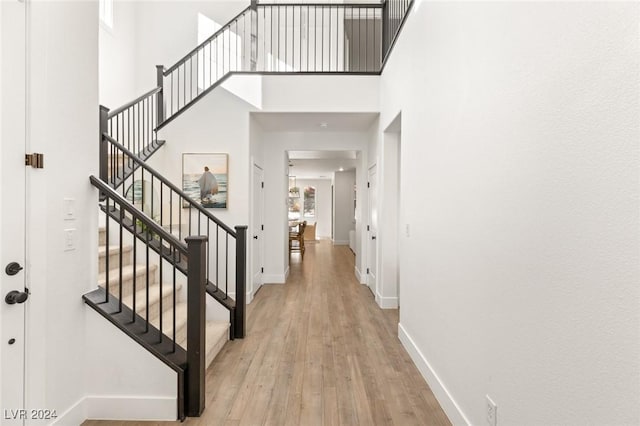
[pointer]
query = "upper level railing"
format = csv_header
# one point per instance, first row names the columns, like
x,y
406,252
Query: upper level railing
x,y
394,13
277,38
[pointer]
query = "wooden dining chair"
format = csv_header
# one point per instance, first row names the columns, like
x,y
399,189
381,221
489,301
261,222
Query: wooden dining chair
x,y
296,239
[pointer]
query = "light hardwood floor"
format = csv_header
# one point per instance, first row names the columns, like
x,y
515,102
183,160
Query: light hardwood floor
x,y
318,351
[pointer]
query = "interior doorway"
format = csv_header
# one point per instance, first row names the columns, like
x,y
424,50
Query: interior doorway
x,y
372,229
390,202
257,224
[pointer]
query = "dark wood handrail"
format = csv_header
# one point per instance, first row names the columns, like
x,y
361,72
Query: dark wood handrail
x,y
169,184
139,215
133,102
265,5
201,45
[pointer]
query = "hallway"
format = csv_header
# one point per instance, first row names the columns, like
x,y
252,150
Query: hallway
x,y
318,351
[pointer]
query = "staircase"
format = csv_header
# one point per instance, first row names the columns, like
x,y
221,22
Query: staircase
x,y
135,276
161,253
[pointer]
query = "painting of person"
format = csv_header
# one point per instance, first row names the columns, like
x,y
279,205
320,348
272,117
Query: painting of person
x,y
205,179
208,184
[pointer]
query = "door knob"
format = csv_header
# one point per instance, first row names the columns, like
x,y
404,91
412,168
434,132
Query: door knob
x,y
15,296
13,268
255,237
373,238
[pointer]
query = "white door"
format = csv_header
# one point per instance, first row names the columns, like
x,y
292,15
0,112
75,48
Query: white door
x,y
257,220
12,211
372,227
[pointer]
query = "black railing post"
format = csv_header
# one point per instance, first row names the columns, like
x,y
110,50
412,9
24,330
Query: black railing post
x,y
241,282
253,60
104,147
160,97
196,323
385,29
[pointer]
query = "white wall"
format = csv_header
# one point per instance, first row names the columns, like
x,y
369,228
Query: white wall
x,y
168,30
63,125
320,93
344,220
118,56
128,383
323,204
520,273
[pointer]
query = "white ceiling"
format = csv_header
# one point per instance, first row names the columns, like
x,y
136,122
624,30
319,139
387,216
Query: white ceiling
x,y
311,121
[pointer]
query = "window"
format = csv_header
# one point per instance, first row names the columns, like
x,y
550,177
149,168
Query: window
x,y
106,13
309,201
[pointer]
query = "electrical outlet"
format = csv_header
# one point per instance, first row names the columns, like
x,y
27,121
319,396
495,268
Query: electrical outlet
x,y
492,412
406,229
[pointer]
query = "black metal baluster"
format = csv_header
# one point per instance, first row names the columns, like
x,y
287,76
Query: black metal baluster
x,y
160,251
173,257
106,234
147,279
330,35
217,256
308,38
226,269
151,215
135,275
208,244
120,262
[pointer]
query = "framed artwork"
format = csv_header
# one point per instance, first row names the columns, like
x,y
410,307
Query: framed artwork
x,y
205,178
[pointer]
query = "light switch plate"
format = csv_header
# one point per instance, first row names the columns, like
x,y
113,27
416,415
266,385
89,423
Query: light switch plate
x,y
69,209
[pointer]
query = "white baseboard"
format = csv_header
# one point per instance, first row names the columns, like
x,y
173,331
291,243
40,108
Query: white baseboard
x,y
358,274
275,278
73,416
448,404
131,408
386,302
119,408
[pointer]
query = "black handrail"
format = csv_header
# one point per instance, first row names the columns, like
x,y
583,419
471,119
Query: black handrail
x,y
200,46
138,214
133,102
169,184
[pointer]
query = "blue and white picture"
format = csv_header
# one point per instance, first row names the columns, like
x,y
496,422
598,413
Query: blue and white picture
x,y
205,178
